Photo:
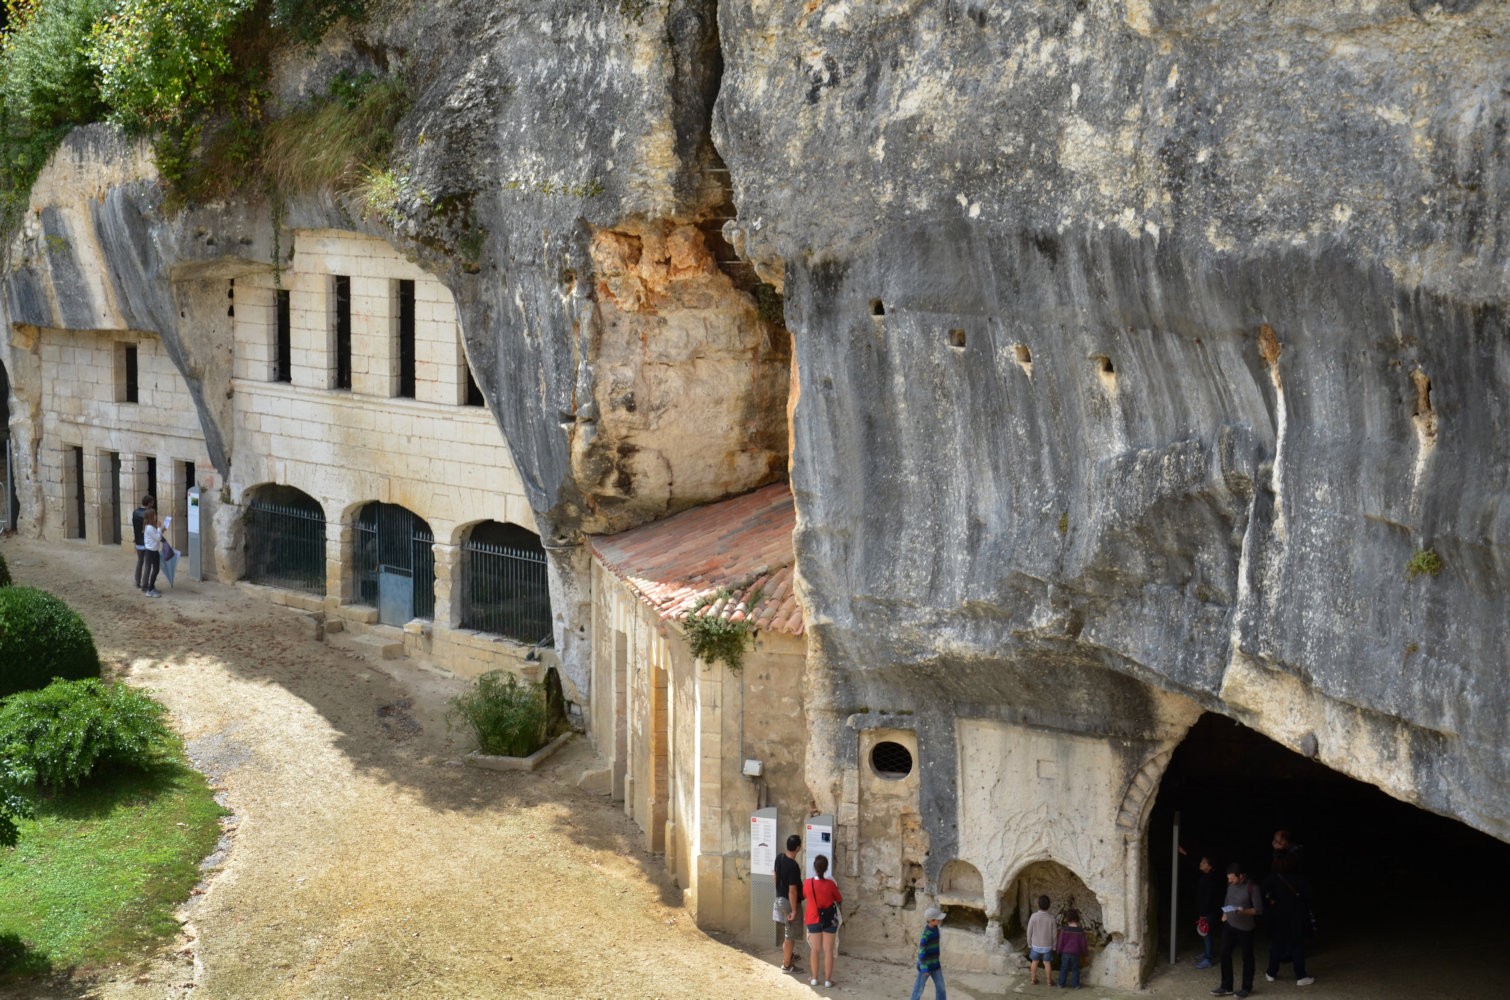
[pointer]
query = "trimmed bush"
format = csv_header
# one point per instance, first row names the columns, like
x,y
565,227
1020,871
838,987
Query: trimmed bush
x,y
505,715
41,638
4,573
62,733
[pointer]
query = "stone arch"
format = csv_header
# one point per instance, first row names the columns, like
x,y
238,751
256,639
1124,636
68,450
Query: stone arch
x,y
1065,889
284,538
1138,797
503,582
393,562
962,895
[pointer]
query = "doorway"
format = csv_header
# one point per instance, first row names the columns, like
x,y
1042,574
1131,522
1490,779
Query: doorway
x,y
1405,900
395,563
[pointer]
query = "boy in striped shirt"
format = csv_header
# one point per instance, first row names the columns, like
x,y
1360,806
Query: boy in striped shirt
x,y
928,956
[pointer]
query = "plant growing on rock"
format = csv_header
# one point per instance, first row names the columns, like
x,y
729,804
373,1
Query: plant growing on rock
x,y
1425,562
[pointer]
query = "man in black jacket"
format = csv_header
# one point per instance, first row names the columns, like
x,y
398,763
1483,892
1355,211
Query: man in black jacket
x,y
138,524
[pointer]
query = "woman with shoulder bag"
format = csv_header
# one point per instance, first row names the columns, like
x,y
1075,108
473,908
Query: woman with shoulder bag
x,y
821,899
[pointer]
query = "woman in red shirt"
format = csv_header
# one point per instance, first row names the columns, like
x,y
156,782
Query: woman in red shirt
x,y
821,899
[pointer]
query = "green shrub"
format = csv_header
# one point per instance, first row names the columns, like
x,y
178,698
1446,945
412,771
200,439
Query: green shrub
x,y
41,638
4,573
506,716
63,732
715,639
308,20
160,60
14,805
47,86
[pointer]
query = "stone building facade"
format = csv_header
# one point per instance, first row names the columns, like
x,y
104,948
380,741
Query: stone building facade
x,y
676,731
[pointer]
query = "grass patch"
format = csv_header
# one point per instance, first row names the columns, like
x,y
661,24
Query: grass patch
x,y
1425,562
334,142
100,869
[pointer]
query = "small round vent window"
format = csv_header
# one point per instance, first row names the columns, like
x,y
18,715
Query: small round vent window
x,y
891,761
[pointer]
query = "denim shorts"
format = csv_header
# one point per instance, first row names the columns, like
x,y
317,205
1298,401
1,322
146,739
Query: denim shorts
x,y
1040,954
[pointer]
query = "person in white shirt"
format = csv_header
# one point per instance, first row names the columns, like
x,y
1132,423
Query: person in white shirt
x,y
152,539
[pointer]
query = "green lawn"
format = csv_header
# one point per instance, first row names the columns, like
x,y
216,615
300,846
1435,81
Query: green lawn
x,y
101,868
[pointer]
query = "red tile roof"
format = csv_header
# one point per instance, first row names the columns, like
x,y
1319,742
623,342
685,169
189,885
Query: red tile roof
x,y
742,544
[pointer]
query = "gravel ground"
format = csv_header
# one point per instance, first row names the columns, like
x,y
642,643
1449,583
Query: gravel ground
x,y
363,862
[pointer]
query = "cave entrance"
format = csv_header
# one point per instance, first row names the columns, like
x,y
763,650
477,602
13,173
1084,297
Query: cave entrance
x,y
1408,903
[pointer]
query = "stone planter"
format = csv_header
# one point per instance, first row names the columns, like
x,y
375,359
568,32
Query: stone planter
x,y
495,763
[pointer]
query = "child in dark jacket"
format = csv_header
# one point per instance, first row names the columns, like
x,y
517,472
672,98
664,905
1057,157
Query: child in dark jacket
x,y
1072,949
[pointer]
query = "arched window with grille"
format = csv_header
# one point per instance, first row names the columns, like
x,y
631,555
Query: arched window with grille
x,y
285,539
504,586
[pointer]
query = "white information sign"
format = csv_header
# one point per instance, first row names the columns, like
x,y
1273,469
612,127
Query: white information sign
x,y
193,513
762,845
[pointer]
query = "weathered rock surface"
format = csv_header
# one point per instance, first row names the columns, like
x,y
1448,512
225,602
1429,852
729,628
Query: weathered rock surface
x,y
1193,334
1141,344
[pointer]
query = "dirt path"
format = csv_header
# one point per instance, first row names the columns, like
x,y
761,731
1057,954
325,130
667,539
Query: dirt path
x,y
366,863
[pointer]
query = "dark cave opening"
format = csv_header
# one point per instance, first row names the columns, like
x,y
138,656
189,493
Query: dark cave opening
x,y
1406,902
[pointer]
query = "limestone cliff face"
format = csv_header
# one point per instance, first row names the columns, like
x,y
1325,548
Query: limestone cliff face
x,y
1141,343
1147,338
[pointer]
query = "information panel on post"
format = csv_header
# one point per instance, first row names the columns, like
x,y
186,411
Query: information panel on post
x,y
820,840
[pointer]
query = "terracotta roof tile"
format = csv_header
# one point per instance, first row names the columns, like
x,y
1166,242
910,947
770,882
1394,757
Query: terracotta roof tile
x,y
744,544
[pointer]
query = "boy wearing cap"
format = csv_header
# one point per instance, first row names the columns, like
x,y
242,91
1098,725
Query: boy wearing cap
x,y
928,956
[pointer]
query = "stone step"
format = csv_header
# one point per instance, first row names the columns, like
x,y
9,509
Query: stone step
x,y
379,645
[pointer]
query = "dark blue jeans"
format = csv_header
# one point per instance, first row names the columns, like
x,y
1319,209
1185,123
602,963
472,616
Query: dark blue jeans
x,y
1069,966
938,984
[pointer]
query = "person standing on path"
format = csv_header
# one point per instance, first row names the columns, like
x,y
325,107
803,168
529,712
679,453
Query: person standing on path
x,y
152,538
821,899
928,956
1244,903
1289,897
1041,929
138,524
1072,949
788,894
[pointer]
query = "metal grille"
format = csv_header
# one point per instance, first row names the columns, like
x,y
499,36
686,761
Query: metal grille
x,y
891,760
393,539
423,563
365,558
285,547
505,590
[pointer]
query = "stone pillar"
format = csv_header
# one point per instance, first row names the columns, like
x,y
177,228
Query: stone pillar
x,y
95,509
447,566
340,543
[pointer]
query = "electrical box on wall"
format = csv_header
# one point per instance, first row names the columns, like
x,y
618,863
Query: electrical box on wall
x,y
753,768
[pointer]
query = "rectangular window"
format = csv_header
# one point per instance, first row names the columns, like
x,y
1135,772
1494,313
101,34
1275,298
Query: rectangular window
x,y
284,372
112,532
152,475
474,394
343,331
406,339
133,384
73,485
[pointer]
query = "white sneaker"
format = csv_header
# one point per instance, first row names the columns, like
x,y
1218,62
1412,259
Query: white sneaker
x,y
1307,981
812,982
1268,977
153,593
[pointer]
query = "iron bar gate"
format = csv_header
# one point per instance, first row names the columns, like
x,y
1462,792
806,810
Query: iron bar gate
x,y
505,591
395,563
285,547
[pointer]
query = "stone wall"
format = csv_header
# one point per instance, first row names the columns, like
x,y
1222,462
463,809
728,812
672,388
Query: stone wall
x,y
676,732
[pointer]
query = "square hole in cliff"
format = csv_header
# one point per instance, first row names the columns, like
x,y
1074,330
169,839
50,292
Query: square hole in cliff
x,y
1024,358
877,309
957,339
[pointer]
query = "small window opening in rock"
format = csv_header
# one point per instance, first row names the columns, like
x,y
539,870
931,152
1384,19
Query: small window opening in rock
x,y
957,339
1024,358
1104,365
891,760
877,308
970,919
